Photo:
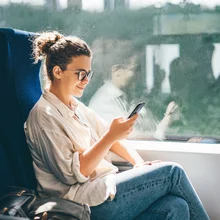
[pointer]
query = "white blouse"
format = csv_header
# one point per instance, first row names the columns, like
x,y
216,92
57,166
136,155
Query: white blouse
x,y
55,138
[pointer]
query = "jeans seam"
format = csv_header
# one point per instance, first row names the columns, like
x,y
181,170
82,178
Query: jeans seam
x,y
144,185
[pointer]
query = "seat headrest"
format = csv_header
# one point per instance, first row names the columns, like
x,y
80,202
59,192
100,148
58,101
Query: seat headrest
x,y
19,68
19,91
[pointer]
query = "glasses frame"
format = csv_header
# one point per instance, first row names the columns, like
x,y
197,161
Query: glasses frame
x,y
89,74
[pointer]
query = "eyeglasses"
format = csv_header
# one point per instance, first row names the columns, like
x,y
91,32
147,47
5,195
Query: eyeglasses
x,y
82,74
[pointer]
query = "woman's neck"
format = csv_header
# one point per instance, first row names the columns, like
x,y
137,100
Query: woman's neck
x,y
66,99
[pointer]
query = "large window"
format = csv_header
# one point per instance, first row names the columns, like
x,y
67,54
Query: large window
x,y
165,55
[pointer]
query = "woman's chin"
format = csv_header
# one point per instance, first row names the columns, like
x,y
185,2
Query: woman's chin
x,y
77,94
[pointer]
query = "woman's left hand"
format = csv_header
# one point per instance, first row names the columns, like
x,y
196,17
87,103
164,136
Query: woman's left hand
x,y
147,163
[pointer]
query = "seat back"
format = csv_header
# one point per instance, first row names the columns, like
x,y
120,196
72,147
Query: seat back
x,y
19,91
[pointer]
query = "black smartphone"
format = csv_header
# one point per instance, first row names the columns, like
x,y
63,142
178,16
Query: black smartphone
x,y
137,109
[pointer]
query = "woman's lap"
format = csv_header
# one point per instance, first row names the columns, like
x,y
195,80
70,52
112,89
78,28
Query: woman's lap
x,y
139,188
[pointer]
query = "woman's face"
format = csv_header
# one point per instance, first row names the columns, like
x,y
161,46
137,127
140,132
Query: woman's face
x,y
71,85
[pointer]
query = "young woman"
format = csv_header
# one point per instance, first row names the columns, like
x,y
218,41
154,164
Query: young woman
x,y
70,145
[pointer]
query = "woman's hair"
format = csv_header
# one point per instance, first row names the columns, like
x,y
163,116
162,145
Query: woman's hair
x,y
58,50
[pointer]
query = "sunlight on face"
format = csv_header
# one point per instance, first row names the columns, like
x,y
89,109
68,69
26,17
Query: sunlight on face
x,y
70,82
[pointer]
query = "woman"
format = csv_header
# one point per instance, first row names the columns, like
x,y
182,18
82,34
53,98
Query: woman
x,y
70,143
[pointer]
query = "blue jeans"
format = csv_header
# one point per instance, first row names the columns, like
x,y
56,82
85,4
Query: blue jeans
x,y
160,191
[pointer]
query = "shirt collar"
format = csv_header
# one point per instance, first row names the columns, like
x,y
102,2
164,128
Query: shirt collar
x,y
61,107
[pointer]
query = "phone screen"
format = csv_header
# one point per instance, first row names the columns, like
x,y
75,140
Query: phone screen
x,y
137,109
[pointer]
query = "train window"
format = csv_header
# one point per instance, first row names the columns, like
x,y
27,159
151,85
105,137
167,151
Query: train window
x,y
165,54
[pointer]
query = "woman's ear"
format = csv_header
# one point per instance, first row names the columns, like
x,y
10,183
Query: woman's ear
x,y
57,72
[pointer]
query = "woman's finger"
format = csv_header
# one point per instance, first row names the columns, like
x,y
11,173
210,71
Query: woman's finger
x,y
147,163
156,161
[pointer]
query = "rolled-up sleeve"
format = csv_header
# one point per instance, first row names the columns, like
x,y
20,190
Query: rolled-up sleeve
x,y
60,158
76,169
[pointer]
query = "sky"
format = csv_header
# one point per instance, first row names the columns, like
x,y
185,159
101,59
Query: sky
x,y
99,4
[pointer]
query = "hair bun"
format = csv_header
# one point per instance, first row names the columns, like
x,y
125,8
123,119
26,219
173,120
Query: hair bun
x,y
49,41
44,42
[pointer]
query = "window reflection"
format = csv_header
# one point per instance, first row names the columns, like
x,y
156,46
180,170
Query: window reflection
x,y
187,73
121,92
158,60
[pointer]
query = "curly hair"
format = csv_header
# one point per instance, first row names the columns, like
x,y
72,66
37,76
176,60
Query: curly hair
x,y
58,50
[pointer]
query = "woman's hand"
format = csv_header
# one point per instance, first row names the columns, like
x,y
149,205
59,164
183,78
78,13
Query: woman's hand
x,y
120,128
147,163
195,140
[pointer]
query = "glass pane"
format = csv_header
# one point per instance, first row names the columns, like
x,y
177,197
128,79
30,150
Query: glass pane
x,y
164,54
188,74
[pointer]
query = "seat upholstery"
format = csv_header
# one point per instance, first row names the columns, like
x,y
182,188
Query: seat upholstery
x,y
6,172
19,91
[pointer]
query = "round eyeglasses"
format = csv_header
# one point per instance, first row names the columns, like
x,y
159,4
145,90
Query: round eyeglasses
x,y
82,74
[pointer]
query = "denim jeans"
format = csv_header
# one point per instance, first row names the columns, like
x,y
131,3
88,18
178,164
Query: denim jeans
x,y
160,191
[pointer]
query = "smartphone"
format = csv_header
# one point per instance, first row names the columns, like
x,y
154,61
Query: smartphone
x,y
137,109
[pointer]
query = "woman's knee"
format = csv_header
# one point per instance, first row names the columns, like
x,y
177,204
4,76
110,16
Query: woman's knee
x,y
173,164
169,207
174,167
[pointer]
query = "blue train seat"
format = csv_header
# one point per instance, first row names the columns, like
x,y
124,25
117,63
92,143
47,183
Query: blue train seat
x,y
19,91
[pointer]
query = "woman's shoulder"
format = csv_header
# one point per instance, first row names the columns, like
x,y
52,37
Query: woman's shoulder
x,y
43,109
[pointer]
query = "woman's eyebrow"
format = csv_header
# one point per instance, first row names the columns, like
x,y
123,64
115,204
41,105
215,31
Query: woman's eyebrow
x,y
81,69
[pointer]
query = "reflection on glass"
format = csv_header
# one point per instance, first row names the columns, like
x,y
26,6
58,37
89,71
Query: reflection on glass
x,y
112,100
191,70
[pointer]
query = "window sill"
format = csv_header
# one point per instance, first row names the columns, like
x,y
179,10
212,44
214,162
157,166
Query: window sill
x,y
201,148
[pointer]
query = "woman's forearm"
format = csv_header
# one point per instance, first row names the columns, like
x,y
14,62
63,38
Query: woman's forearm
x,y
118,130
129,154
90,158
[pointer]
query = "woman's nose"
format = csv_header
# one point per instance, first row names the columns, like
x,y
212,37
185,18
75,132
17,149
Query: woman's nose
x,y
85,80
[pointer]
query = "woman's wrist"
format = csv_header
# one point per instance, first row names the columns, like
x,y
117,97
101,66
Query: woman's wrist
x,y
109,138
138,163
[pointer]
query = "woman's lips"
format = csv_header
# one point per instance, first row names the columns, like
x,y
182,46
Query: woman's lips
x,y
82,88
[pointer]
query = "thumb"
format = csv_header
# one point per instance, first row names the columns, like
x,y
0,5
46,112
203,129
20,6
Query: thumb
x,y
119,118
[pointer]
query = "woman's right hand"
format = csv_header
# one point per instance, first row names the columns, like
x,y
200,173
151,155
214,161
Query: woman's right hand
x,y
120,128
